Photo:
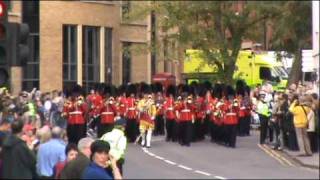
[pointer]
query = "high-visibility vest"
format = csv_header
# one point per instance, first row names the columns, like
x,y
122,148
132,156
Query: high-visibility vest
x,y
263,109
117,141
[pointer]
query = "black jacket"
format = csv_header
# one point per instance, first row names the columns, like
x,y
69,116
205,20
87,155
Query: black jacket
x,y
18,160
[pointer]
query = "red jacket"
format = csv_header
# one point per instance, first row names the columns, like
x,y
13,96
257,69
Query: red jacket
x,y
186,112
217,112
200,108
96,103
122,107
230,113
131,108
75,113
169,108
108,112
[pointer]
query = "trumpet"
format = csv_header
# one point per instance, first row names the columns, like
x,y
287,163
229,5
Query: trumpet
x,y
80,100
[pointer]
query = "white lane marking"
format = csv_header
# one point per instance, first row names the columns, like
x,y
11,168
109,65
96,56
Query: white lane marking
x,y
170,162
181,166
184,167
158,157
204,173
219,177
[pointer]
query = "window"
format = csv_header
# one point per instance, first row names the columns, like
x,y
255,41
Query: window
x,y
69,55
91,57
126,7
265,73
108,55
30,16
126,62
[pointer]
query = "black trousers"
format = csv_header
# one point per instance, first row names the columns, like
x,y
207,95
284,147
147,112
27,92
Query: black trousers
x,y
198,130
263,128
213,131
75,132
159,125
176,132
186,130
231,135
104,128
131,130
314,141
247,123
170,124
241,126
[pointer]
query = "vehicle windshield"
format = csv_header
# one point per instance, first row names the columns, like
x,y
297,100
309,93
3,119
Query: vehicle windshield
x,y
280,70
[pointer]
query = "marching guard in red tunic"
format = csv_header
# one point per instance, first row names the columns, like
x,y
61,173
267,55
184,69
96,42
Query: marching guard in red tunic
x,y
169,113
131,114
74,111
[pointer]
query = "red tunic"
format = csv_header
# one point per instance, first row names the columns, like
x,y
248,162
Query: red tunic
x,y
75,112
230,113
131,108
122,107
169,109
108,112
200,108
186,112
96,104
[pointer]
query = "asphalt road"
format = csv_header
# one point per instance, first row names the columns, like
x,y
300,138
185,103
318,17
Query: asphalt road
x,y
206,160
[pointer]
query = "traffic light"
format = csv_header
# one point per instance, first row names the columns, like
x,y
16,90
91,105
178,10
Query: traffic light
x,y
18,43
4,39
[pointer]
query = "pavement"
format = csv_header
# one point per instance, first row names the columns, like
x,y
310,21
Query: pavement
x,y
305,161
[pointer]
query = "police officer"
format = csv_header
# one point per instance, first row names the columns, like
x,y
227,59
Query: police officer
x,y
264,113
118,142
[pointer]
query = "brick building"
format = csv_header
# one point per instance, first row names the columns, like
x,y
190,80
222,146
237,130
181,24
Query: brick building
x,y
86,42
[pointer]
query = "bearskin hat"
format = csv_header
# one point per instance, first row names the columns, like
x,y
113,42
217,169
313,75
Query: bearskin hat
x,y
240,87
121,89
131,89
157,87
145,88
230,92
217,90
171,90
77,90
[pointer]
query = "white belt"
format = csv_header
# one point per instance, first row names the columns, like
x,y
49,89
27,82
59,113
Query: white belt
x,y
170,108
185,110
107,113
231,114
243,108
122,105
75,112
131,108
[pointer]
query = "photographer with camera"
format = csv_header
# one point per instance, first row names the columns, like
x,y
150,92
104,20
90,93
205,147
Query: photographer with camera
x,y
299,109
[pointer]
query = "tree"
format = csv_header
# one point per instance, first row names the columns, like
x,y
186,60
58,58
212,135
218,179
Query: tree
x,y
292,33
215,27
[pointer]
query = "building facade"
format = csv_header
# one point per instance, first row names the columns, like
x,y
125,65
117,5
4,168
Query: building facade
x,y
86,42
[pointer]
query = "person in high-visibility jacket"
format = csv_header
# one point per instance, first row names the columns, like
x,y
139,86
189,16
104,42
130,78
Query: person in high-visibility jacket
x,y
118,142
147,113
264,113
